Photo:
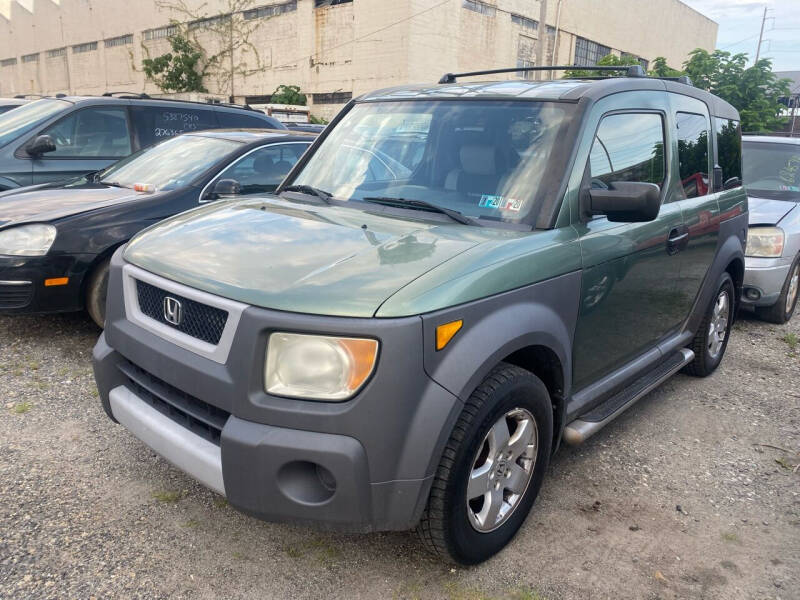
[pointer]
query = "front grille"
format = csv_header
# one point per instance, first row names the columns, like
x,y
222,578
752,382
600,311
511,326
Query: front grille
x,y
15,296
197,416
198,320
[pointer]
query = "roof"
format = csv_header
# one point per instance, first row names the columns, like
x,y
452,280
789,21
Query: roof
x,y
125,97
772,139
250,136
13,101
565,90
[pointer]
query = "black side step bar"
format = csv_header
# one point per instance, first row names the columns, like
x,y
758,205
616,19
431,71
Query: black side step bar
x,y
593,421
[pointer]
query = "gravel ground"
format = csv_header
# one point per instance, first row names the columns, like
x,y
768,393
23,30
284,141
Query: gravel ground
x,y
690,494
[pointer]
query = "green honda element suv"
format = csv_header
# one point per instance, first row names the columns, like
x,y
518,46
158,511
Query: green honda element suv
x,y
453,280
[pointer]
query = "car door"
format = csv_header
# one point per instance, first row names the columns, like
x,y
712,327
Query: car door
x,y
630,271
87,139
698,201
259,171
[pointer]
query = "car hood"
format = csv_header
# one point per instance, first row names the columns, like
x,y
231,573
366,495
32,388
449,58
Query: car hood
x,y
765,211
283,255
40,204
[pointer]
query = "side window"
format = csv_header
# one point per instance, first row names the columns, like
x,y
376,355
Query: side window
x,y
693,153
628,147
729,152
241,119
155,123
91,132
262,170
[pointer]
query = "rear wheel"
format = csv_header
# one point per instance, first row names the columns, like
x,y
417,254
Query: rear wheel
x,y
712,336
783,309
96,292
491,469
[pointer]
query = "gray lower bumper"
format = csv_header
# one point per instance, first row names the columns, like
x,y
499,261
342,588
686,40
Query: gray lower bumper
x,y
189,452
767,276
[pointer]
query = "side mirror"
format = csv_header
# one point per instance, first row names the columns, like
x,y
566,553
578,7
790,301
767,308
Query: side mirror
x,y
627,201
42,144
717,178
225,188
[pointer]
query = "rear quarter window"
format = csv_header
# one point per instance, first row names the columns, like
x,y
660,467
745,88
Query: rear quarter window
x,y
693,153
155,123
729,152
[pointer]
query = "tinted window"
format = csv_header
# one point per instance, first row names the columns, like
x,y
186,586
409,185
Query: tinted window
x,y
772,170
241,119
153,124
7,107
729,152
91,132
693,153
262,170
628,147
25,118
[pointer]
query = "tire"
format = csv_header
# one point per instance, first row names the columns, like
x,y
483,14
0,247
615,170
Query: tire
x,y
96,291
707,346
450,525
783,309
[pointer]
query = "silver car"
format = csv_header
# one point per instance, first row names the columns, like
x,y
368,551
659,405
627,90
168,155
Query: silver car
x,y
771,174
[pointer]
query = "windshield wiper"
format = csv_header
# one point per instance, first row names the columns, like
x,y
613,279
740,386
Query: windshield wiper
x,y
423,205
112,183
309,190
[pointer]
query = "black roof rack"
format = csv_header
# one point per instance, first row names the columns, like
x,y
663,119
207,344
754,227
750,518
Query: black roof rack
x,y
126,95
630,71
23,96
142,96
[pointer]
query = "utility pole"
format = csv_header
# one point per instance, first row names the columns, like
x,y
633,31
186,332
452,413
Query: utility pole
x,y
542,44
761,35
233,70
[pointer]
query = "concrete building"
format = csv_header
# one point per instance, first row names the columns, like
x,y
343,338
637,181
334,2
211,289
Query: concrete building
x,y
332,49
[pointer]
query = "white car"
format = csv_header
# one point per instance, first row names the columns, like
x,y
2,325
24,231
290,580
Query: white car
x,y
771,174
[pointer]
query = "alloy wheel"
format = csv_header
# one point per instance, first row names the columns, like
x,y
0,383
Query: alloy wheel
x,y
718,325
791,295
502,470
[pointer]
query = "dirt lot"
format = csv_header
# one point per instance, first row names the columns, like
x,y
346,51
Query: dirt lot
x,y
691,494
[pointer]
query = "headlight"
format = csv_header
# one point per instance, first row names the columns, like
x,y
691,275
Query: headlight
x,y
318,367
27,240
765,242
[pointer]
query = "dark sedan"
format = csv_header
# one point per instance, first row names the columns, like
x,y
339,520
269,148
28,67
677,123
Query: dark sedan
x,y
56,239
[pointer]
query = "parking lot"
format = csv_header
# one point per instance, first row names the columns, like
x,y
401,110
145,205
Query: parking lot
x,y
691,494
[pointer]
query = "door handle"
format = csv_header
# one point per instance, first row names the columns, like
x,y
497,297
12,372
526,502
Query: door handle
x,y
677,239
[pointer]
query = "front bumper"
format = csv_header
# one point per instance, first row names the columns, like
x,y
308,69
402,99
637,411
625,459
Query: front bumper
x,y
764,279
22,288
363,464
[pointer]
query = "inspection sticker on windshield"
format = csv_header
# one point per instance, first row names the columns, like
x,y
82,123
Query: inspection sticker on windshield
x,y
500,203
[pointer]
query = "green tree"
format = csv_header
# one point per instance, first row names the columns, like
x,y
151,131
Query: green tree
x,y
179,70
754,91
288,94
609,60
660,68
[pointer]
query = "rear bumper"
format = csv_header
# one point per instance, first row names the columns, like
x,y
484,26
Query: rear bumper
x,y
764,279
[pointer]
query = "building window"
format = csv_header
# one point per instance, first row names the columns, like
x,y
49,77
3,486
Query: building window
x,y
526,56
525,22
643,62
479,7
8,62
123,40
160,33
272,10
332,98
56,52
321,3
209,22
88,47
587,52
30,58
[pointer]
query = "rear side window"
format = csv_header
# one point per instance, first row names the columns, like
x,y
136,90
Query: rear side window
x,y
628,147
154,124
693,153
91,133
729,152
241,119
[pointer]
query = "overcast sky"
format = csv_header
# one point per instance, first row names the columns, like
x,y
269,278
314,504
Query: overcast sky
x,y
739,23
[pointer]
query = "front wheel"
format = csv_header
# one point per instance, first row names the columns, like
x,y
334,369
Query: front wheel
x,y
783,309
711,339
96,292
491,469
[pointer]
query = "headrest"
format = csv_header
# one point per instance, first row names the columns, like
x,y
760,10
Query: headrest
x,y
478,159
263,165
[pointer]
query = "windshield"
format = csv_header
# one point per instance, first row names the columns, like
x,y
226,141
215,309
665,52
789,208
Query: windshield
x,y
485,159
171,164
772,170
22,119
